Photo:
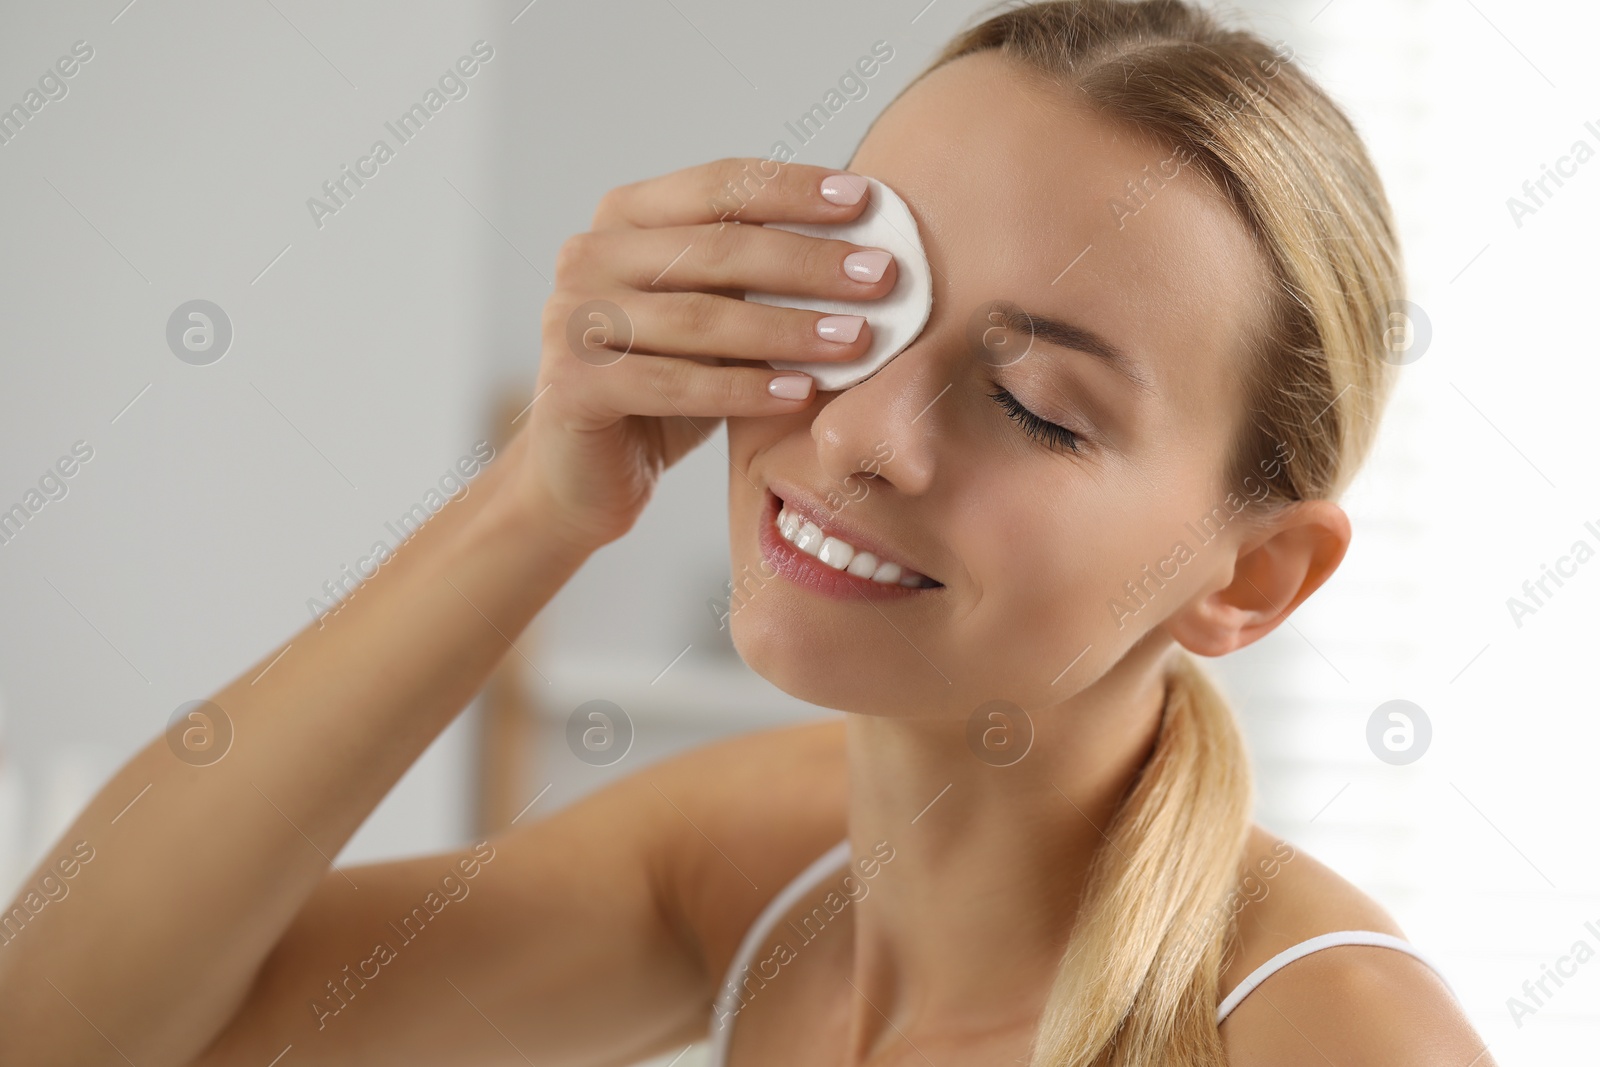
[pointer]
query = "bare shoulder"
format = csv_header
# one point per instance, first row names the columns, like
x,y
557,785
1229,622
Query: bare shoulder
x,y
1355,1005
735,821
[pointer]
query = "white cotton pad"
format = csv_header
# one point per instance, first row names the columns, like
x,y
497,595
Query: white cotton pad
x,y
897,318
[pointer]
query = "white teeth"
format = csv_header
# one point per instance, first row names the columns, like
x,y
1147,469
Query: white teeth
x,y
809,539
835,553
841,555
863,565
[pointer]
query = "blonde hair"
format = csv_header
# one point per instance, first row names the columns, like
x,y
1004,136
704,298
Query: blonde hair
x,y
1139,981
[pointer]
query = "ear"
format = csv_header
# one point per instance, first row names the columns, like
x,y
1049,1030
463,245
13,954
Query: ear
x,y
1274,569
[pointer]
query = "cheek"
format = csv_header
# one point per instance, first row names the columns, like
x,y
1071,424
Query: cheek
x,y
1042,568
1042,539
1048,571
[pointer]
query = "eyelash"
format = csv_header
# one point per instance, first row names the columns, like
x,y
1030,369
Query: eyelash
x,y
1058,437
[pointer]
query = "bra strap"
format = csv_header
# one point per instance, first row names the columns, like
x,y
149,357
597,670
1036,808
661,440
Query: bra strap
x,y
1315,944
728,996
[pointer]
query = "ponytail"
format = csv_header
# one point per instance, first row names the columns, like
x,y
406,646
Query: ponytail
x,y
1139,981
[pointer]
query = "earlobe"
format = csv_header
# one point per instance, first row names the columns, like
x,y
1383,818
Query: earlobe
x,y
1274,570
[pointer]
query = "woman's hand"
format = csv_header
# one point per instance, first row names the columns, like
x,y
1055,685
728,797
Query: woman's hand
x,y
648,343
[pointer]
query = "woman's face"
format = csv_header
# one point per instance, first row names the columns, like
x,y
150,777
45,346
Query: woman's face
x,y
1023,199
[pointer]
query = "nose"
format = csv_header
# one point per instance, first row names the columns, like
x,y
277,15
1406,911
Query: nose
x,y
894,413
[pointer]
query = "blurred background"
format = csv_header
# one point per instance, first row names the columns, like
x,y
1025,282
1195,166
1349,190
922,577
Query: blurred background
x,y
224,488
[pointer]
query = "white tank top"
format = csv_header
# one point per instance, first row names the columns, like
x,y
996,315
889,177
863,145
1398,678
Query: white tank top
x,y
723,1013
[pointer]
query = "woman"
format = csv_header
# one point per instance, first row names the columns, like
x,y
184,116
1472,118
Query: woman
x,y
1188,259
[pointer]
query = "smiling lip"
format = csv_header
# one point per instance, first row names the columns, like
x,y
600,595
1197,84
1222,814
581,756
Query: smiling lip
x,y
805,569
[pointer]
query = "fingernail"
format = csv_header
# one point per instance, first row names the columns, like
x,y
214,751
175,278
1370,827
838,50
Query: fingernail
x,y
867,266
840,328
790,386
843,188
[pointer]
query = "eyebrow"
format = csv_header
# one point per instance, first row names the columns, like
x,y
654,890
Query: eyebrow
x,y
1069,335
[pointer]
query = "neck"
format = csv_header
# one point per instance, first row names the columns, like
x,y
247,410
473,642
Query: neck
x,y
991,858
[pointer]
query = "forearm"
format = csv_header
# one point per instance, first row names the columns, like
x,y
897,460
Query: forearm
x,y
197,879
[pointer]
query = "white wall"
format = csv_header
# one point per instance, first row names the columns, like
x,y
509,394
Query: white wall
x,y
178,166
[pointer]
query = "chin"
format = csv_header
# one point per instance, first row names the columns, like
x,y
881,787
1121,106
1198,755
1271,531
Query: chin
x,y
784,645
847,664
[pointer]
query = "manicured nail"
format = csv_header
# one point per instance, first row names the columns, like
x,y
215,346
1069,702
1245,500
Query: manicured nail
x,y
867,266
841,328
843,188
790,386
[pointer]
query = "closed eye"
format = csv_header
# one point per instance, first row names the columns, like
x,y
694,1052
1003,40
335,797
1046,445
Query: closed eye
x,y
1053,435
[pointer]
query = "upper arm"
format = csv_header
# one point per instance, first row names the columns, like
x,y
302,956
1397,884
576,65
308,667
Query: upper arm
x,y
1355,1006
589,936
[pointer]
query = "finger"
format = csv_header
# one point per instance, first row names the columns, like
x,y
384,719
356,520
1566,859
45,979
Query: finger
x,y
704,324
745,189
639,384
732,258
